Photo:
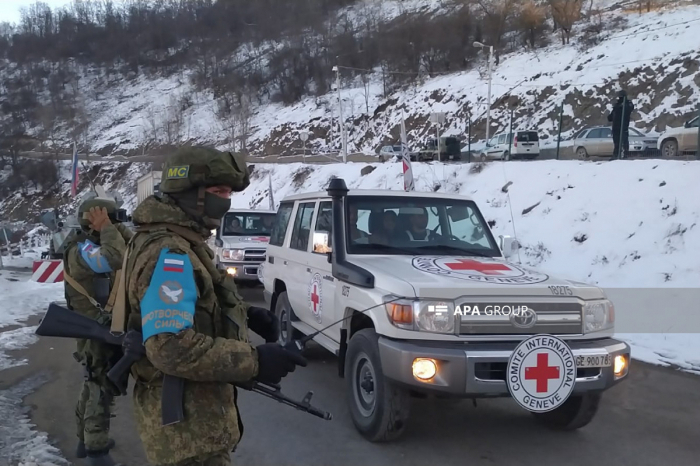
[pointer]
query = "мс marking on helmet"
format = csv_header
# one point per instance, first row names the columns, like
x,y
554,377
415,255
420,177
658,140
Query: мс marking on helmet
x,y
178,173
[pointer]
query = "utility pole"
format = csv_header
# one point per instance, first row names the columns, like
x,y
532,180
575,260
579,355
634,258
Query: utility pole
x,y
488,110
343,141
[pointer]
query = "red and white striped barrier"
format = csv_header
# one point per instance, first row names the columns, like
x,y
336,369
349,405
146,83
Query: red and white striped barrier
x,y
47,271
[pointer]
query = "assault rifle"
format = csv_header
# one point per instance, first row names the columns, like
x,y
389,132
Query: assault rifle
x,y
64,323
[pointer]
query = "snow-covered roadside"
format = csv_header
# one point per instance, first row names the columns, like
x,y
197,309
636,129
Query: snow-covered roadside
x,y
20,443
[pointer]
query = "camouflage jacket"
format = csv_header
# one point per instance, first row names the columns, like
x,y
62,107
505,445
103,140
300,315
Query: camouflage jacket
x,y
209,348
82,264
85,257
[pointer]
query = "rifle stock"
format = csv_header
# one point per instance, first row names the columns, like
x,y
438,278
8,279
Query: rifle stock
x,y
64,323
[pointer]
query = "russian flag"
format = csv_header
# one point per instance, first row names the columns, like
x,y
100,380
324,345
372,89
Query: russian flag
x,y
173,265
74,172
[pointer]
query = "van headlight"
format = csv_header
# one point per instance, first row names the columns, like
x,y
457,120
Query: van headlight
x,y
421,315
598,316
233,254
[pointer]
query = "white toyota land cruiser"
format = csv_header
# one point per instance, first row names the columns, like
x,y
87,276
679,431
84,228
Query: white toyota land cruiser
x,y
429,305
241,241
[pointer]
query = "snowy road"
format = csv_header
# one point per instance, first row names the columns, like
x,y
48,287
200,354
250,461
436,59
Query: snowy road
x,y
649,420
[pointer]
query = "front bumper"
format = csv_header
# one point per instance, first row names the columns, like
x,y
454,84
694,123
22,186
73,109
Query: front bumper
x,y
244,270
478,370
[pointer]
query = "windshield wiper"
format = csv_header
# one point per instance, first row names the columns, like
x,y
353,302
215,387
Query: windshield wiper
x,y
446,248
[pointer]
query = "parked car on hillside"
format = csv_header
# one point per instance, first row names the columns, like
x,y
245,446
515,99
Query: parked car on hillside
x,y
598,141
503,146
675,141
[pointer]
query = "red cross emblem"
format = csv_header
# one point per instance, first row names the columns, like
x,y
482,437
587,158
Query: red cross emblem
x,y
315,298
405,166
542,373
470,264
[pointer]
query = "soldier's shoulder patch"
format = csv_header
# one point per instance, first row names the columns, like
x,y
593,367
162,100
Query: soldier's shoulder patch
x,y
169,303
92,255
178,172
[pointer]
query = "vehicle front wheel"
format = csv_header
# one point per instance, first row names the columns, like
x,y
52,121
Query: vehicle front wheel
x,y
378,409
669,148
576,412
582,153
283,311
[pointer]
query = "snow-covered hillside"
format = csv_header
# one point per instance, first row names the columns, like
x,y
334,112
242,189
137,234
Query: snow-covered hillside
x,y
653,55
619,225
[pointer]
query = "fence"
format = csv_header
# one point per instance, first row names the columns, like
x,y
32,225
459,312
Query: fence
x,y
25,245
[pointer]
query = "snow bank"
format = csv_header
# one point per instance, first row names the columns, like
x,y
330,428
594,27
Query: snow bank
x,y
21,298
622,225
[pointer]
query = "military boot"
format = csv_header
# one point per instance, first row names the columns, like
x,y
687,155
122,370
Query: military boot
x,y
101,458
80,451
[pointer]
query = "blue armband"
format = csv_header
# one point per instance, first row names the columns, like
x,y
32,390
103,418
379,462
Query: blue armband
x,y
169,303
92,255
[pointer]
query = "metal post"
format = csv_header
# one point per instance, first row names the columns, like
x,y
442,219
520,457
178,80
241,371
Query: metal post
x,y
340,116
561,117
510,137
469,139
622,128
488,110
697,149
437,131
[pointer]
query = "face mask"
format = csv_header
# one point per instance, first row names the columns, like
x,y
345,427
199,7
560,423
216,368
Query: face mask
x,y
215,207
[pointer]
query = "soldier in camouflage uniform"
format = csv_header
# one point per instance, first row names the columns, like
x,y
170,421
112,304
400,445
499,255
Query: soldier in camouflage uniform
x,y
194,323
92,255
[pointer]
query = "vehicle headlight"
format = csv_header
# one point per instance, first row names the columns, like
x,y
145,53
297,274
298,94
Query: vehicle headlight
x,y
598,316
421,315
233,254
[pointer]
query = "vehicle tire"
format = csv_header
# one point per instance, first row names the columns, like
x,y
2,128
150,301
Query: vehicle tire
x,y
576,412
482,158
285,314
378,409
506,156
581,153
669,148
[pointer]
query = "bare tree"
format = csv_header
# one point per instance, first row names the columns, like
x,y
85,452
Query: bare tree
x,y
565,13
497,14
532,20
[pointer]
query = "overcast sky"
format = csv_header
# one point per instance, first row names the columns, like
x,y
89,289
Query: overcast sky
x,y
9,9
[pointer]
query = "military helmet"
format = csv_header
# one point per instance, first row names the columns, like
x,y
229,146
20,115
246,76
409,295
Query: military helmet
x,y
193,167
92,199
88,204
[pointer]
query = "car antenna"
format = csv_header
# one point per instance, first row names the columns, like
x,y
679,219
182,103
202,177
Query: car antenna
x,y
510,206
303,341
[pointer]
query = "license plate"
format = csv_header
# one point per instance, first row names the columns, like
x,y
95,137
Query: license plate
x,y
593,361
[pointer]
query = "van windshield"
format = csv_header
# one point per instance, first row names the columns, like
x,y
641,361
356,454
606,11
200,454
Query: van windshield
x,y
417,225
247,224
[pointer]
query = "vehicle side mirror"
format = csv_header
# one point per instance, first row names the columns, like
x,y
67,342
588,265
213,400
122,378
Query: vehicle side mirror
x,y
509,245
321,239
458,213
219,242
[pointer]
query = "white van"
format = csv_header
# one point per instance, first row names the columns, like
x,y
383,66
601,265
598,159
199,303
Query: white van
x,y
415,297
526,145
241,242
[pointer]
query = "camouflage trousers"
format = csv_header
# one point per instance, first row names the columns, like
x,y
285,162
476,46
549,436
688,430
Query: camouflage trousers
x,y
219,458
93,414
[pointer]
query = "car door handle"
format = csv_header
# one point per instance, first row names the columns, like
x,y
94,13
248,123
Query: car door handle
x,y
308,270
284,262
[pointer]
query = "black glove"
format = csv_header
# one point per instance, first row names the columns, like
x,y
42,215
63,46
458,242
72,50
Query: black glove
x,y
264,323
275,362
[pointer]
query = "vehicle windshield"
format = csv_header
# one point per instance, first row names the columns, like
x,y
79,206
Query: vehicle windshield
x,y
247,224
634,132
417,226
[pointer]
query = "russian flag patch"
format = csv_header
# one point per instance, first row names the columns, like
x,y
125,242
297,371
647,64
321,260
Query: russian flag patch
x,y
173,265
